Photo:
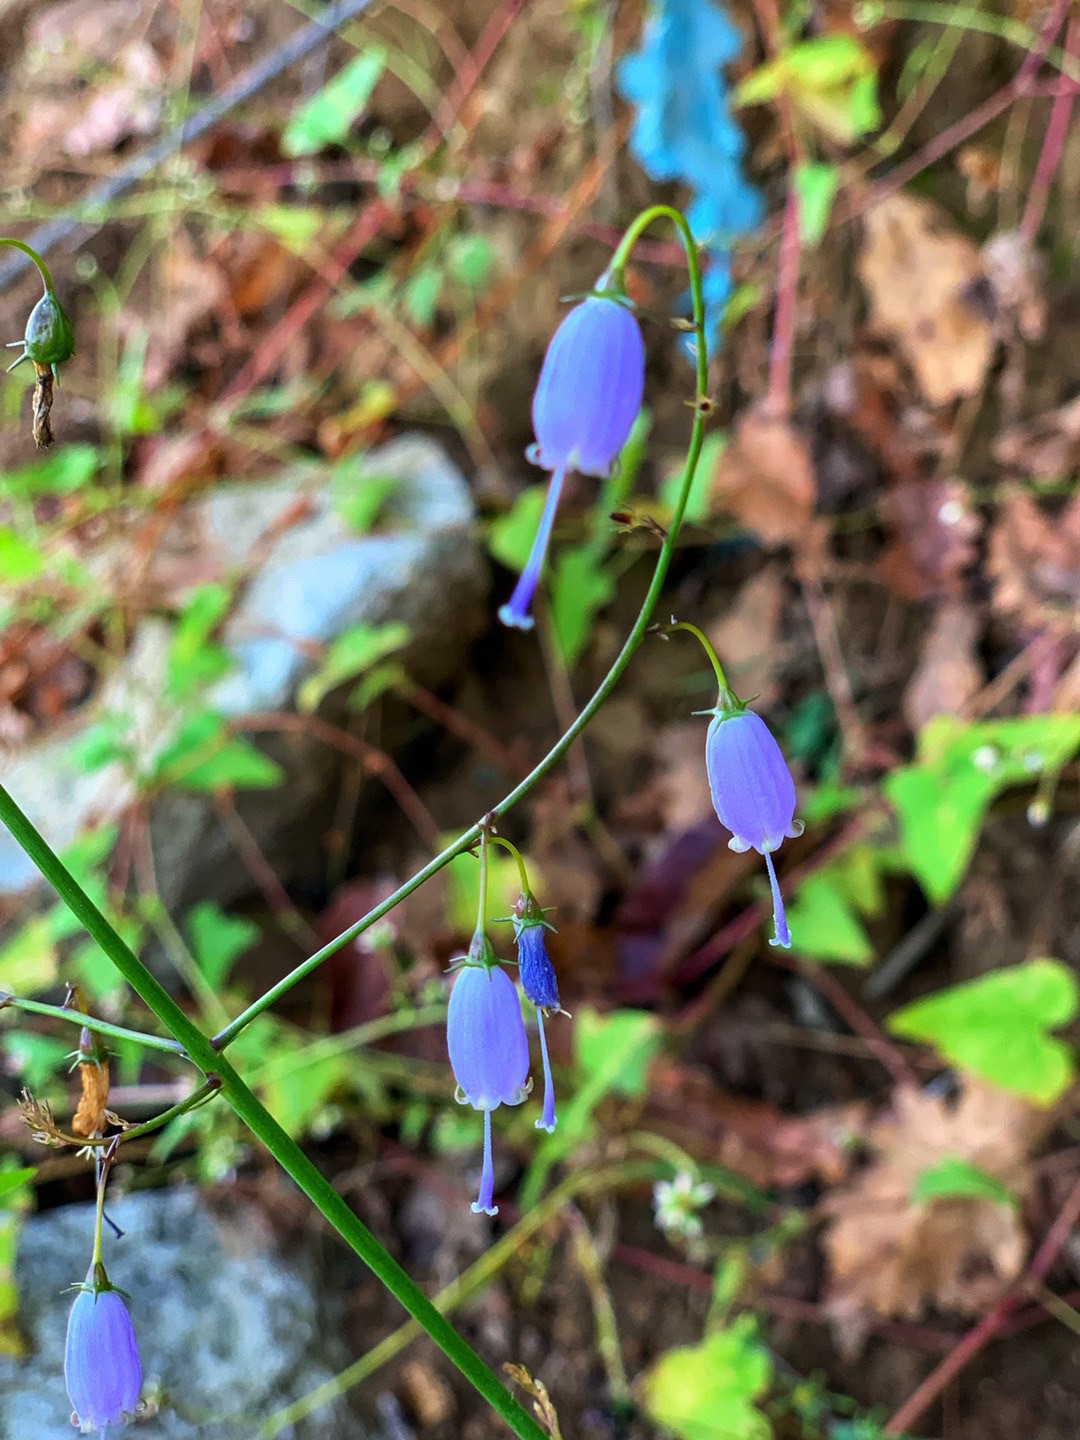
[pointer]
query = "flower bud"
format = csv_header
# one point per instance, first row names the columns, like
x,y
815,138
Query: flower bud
x,y
102,1368
49,337
752,791
538,981
489,1052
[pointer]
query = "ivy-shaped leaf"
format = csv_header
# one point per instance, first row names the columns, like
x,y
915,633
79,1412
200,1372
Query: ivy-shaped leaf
x,y
998,1027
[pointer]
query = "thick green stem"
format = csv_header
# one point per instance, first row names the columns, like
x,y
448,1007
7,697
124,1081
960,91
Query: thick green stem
x,y
614,675
264,1127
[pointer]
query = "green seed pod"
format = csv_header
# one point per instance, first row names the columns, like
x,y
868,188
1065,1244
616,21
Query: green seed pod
x,y
49,338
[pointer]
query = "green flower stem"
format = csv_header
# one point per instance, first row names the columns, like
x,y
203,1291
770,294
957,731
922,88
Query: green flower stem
x,y
516,853
633,640
714,660
42,268
206,1091
581,1184
90,1022
264,1127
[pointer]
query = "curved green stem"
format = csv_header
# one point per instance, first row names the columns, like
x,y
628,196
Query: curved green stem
x,y
265,1128
42,268
90,1022
206,1091
607,685
516,853
714,659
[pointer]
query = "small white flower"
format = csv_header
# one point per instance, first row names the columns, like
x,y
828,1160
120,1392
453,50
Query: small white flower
x,y
677,1202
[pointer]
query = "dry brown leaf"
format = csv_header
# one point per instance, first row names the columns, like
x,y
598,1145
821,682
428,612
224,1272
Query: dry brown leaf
x,y
1015,274
746,636
1035,559
949,674
933,530
918,270
889,1257
765,478
1047,447
751,1137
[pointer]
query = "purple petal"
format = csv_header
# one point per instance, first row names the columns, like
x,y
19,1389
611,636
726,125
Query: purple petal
x,y
516,612
752,789
535,968
101,1361
590,388
485,1034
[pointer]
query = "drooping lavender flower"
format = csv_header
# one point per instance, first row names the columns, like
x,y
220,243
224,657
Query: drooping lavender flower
x,y
752,791
538,981
101,1362
586,401
489,1051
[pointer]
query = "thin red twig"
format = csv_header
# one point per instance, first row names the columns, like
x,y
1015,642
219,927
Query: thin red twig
x,y
992,1323
1057,129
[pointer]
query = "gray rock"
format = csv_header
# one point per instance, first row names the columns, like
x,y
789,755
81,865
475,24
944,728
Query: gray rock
x,y
230,1328
312,578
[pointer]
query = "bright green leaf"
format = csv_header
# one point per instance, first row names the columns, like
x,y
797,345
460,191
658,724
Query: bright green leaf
x,y
616,1050
580,589
359,495
470,259
29,961
327,117
350,655
952,1178
194,661
816,186
61,472
942,799
707,1391
19,560
12,1180
997,1027
202,756
218,940
421,295
823,924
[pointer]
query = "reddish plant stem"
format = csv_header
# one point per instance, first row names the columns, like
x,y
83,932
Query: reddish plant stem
x,y
969,125
1057,129
781,353
778,395
465,729
262,872
375,762
992,1323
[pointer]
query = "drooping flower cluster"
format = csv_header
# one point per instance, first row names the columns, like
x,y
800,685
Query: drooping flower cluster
x,y
684,130
102,1367
485,1032
586,401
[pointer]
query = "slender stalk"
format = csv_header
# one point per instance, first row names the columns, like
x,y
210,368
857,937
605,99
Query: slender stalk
x,y
42,268
633,640
265,1128
707,646
90,1022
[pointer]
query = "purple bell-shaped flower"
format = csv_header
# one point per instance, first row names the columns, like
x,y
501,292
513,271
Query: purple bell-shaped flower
x,y
586,401
489,1052
101,1362
538,981
752,791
